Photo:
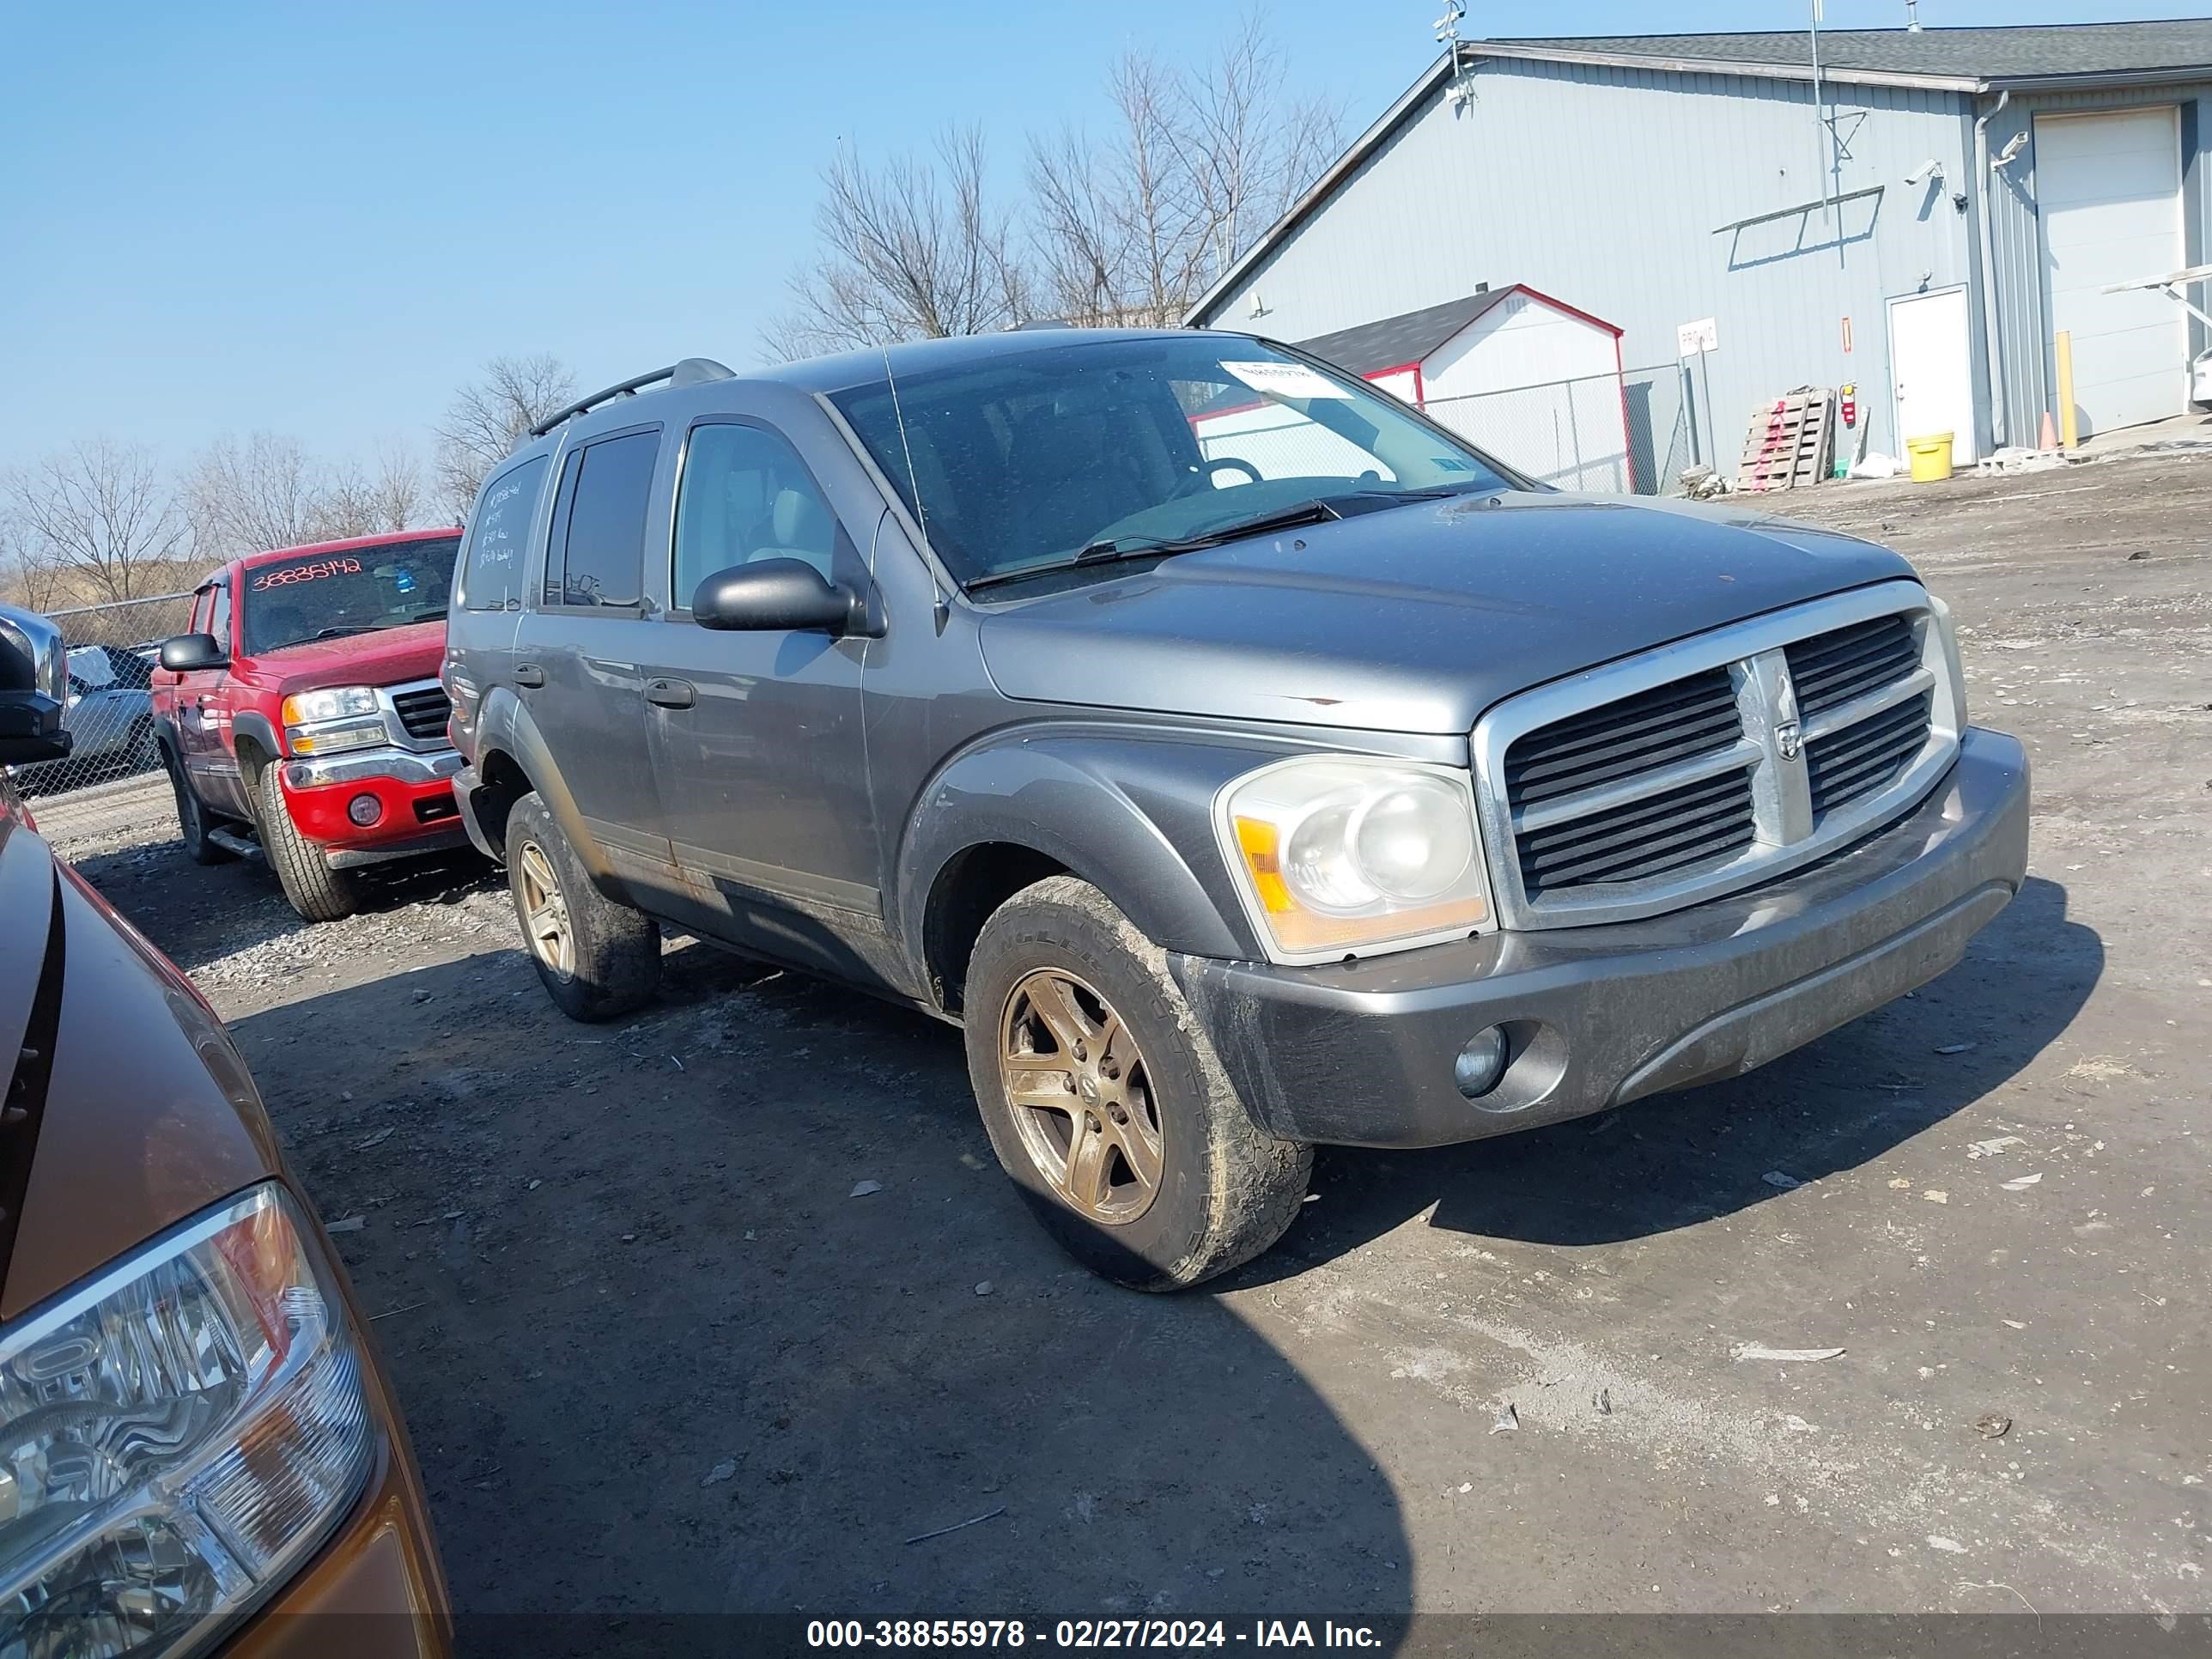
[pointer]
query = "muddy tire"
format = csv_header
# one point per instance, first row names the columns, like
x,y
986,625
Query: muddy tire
x,y
318,893
596,958
192,820
1105,1103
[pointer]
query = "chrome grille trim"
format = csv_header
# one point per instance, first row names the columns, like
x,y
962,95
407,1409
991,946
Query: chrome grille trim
x,y
1787,831
395,724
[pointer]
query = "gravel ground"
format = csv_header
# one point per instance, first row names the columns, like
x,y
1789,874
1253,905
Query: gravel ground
x,y
655,1358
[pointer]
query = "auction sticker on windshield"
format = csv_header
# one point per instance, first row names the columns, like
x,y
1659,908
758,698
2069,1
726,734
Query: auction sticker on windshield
x,y
305,573
1287,380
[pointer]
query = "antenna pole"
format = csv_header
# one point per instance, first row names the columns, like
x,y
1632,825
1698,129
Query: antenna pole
x,y
1824,139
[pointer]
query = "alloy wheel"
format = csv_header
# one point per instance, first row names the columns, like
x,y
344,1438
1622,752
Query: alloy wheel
x,y
1081,1097
545,911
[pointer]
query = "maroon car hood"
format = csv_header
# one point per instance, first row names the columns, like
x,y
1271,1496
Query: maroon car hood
x,y
147,1115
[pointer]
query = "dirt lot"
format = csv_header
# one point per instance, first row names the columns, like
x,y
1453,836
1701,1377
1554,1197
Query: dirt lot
x,y
655,1358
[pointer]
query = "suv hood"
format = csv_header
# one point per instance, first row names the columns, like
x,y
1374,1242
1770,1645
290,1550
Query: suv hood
x,y
140,1112
391,657
1417,618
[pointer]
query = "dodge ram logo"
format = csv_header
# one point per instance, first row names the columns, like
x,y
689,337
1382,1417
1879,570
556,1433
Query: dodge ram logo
x,y
1789,735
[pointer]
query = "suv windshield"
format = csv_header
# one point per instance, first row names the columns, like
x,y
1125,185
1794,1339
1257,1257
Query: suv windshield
x,y
330,595
1120,447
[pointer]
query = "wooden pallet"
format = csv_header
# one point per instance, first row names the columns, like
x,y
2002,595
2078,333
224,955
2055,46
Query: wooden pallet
x,y
1792,442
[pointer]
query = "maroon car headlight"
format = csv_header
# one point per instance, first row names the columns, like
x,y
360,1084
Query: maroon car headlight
x,y
175,1438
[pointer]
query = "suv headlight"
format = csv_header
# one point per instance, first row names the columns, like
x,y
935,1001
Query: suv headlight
x,y
337,718
1947,631
175,1438
1338,854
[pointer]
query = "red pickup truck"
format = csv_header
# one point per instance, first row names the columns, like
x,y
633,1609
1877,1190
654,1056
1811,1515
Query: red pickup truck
x,y
303,705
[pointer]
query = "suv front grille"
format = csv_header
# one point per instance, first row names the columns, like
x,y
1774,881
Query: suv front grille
x,y
1636,734
1652,836
1773,741
423,711
1831,669
1862,758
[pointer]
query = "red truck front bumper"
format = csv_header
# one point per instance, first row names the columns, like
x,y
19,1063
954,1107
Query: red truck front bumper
x,y
405,796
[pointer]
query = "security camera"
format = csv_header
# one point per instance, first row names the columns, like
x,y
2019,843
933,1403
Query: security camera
x,y
1929,168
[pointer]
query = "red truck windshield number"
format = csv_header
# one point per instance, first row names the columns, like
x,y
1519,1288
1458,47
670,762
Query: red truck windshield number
x,y
305,573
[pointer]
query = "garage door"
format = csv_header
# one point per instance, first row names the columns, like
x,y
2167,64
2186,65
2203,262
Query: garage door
x,y
2109,187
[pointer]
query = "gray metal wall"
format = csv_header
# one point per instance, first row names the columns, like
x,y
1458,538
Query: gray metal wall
x,y
2016,235
1604,187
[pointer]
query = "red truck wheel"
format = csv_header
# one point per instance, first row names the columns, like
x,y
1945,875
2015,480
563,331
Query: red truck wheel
x,y
318,893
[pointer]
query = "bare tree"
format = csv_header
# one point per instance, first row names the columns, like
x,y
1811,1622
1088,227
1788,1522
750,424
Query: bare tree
x,y
487,417
263,492
99,517
397,486
352,500
28,575
913,249
1133,229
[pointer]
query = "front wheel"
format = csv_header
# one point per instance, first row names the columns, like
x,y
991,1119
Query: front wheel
x,y
595,957
318,893
1105,1103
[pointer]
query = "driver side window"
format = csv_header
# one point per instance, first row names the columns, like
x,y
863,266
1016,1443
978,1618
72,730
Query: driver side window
x,y
745,495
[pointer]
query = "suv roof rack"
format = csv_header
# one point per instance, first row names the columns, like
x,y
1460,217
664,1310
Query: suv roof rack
x,y
692,371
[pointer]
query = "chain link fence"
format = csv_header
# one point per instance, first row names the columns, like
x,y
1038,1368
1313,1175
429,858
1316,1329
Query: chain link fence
x,y
113,761
1625,434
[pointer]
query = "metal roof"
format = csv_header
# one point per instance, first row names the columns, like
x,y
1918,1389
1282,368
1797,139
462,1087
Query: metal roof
x,y
1985,56
1970,60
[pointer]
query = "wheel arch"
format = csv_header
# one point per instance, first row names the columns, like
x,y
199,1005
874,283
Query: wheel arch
x,y
254,744
510,748
1131,815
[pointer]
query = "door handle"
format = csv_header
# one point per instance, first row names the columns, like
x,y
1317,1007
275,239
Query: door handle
x,y
529,674
670,694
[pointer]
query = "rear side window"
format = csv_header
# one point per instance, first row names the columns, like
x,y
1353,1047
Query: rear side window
x,y
745,495
491,569
598,530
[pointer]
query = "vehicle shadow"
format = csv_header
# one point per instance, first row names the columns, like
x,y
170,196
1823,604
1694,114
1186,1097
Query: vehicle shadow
x,y
726,1307
198,915
1676,1160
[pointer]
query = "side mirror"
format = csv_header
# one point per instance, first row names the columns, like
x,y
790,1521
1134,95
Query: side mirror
x,y
777,594
184,653
33,689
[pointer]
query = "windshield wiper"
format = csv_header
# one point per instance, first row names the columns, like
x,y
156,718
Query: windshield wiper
x,y
1315,511
1109,548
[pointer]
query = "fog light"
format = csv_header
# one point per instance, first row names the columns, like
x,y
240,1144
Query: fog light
x,y
1480,1064
364,810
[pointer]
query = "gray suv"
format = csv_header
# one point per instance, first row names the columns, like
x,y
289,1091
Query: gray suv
x,y
1239,758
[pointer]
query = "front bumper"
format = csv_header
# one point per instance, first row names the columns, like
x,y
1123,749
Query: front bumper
x,y
1360,1053
467,783
413,790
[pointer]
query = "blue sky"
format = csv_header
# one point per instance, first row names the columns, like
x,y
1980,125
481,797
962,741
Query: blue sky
x,y
318,220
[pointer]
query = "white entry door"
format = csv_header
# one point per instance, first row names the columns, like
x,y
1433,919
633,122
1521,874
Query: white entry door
x,y
2108,188
1931,370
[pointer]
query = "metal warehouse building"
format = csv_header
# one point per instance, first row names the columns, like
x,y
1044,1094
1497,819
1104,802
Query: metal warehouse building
x,y
1919,216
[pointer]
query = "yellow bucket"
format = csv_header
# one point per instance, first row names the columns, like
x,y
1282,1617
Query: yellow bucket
x,y
1931,457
